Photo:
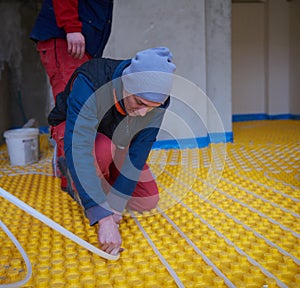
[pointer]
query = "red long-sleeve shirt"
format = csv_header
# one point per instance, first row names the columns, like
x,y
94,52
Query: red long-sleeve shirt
x,y
66,14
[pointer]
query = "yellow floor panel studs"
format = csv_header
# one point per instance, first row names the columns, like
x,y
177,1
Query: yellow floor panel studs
x,y
244,232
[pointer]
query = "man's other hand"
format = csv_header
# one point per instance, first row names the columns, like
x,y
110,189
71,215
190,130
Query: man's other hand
x,y
76,44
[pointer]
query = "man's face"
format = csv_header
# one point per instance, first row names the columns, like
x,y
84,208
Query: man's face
x,y
137,106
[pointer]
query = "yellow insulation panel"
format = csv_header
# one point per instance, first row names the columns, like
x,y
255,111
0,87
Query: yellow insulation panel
x,y
242,230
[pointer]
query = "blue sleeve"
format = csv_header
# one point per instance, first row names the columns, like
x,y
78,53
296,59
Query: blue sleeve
x,y
81,128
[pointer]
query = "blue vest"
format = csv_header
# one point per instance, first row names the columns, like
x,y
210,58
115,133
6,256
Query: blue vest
x,y
102,75
96,19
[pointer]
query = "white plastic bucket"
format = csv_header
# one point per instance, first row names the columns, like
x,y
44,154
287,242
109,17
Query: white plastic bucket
x,y
22,145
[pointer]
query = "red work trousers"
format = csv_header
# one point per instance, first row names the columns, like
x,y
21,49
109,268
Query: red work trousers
x,y
107,158
59,66
58,63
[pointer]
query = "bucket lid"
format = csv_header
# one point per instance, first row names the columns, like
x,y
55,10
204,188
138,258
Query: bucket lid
x,y
21,132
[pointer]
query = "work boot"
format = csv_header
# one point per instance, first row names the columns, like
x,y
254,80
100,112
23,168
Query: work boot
x,y
65,173
55,168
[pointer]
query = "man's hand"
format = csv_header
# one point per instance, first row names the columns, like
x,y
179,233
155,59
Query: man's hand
x,y
76,44
109,236
117,216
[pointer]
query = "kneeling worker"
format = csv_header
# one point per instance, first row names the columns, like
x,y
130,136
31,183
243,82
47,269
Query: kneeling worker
x,y
105,123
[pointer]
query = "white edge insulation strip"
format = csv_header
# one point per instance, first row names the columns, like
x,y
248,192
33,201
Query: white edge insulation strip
x,y
24,255
56,226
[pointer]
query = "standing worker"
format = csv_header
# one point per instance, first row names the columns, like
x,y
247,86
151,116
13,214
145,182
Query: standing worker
x,y
69,33
107,120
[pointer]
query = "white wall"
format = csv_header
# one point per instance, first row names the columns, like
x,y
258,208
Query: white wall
x,y
278,58
265,57
295,57
179,25
248,58
183,27
218,60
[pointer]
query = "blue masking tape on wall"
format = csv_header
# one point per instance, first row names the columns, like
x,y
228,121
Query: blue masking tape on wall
x,y
263,116
199,142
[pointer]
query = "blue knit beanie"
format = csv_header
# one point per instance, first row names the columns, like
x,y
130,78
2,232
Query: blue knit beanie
x,y
150,74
